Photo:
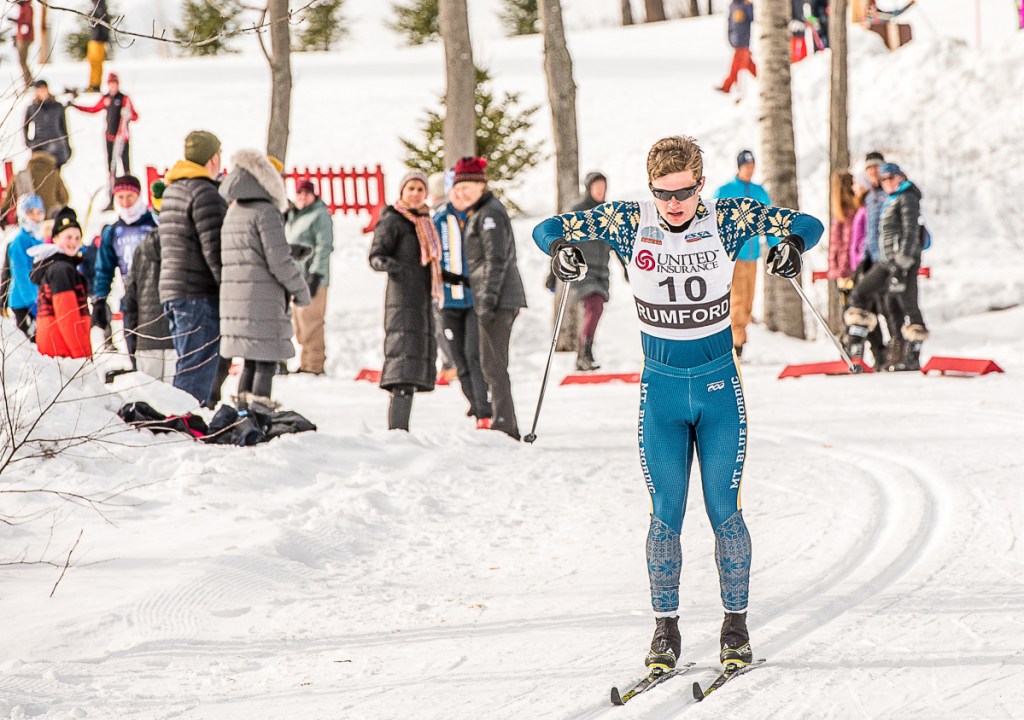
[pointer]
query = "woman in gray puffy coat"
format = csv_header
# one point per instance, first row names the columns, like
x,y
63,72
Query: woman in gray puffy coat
x,y
258,277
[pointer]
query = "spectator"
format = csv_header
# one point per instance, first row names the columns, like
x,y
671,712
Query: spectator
x,y
819,19
46,126
24,35
498,293
41,177
593,291
145,324
741,16
438,187
258,277
118,243
310,233
843,210
744,275
62,322
873,202
20,294
858,229
901,242
461,328
406,247
875,198
120,111
96,50
190,263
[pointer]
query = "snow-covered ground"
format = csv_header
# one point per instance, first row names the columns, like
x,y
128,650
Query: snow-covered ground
x,y
450,573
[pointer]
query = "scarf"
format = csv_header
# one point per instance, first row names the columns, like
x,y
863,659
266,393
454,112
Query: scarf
x,y
430,245
131,214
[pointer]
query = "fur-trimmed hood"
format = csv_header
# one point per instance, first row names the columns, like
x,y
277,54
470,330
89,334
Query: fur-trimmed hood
x,y
254,178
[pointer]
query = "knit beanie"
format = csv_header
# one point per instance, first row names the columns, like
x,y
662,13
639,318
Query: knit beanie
x,y
201,146
65,219
128,182
889,169
409,177
873,158
470,169
745,157
29,202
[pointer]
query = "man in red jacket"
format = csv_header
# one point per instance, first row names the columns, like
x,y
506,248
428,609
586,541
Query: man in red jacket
x,y
62,320
24,37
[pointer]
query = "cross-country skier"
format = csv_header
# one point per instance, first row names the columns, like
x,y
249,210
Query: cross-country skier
x,y
680,250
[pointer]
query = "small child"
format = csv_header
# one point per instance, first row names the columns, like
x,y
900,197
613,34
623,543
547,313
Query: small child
x,y
62,320
22,293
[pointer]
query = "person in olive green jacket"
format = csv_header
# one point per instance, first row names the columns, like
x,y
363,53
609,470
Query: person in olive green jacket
x,y
310,233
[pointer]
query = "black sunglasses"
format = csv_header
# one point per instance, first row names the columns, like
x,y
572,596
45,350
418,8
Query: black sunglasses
x,y
681,194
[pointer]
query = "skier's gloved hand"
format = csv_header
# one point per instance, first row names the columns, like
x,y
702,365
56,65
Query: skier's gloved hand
x,y
568,263
314,283
100,314
784,259
384,264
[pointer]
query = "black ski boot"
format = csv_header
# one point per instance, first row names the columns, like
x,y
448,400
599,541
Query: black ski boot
x,y
736,650
910,359
585,357
894,354
665,645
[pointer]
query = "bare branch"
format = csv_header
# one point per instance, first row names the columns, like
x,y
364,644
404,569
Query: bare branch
x,y
67,563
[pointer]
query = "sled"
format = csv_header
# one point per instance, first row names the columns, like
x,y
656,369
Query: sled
x,y
964,367
591,378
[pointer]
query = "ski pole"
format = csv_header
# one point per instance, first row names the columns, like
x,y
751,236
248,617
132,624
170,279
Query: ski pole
x,y
551,353
855,369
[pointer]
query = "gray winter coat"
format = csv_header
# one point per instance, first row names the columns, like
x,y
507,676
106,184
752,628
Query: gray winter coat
x,y
490,248
258,275
143,311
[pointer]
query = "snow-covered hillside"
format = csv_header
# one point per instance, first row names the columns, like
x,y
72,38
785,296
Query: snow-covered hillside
x,y
450,573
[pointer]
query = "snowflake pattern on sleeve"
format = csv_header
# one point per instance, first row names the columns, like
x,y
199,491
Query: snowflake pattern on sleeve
x,y
740,219
614,223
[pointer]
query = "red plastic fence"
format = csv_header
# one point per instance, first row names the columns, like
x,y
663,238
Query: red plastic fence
x,y
345,190
5,182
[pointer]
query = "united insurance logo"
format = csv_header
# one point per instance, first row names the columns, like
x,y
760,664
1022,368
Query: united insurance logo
x,y
645,260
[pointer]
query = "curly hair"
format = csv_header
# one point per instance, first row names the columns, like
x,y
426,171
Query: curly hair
x,y
675,154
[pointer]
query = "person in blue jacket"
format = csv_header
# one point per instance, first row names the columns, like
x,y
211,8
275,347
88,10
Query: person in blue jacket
x,y
680,249
117,244
744,276
21,292
458,318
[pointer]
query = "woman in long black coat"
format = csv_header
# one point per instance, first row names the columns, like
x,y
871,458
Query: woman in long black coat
x,y
406,247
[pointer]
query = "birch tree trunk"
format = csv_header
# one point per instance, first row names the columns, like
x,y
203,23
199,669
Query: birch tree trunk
x,y
460,95
783,307
839,141
44,37
280,59
562,97
627,12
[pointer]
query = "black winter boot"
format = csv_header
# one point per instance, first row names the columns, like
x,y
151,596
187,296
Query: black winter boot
x,y
914,336
665,644
736,650
894,353
585,356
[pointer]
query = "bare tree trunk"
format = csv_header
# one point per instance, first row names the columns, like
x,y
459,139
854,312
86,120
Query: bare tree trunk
x,y
783,307
460,96
44,37
627,12
562,97
655,10
839,140
693,8
280,59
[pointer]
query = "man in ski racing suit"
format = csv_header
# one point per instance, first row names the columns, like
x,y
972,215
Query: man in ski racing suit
x,y
680,250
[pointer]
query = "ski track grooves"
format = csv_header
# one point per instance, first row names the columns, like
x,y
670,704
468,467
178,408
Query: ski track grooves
x,y
860,555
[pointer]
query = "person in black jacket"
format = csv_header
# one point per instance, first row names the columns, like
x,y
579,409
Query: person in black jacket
x,y
191,216
498,293
900,242
406,246
144,318
96,49
46,126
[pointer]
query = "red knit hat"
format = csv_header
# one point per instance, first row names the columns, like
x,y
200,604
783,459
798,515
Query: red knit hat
x,y
470,169
112,77
128,182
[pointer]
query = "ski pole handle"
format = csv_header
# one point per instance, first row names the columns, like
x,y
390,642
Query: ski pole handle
x,y
547,369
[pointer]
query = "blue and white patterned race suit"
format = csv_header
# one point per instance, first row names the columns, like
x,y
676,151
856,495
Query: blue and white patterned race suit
x,y
691,393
